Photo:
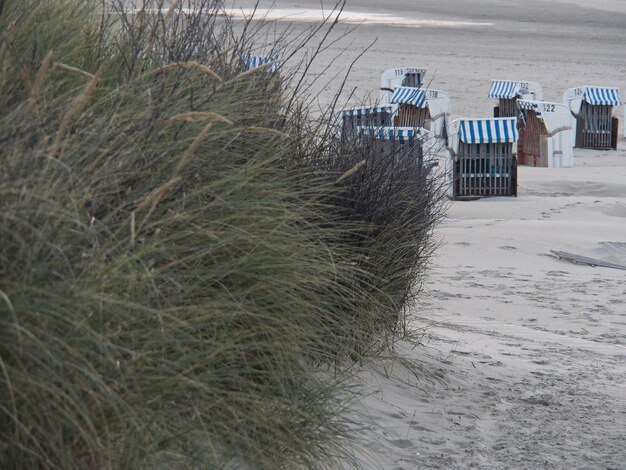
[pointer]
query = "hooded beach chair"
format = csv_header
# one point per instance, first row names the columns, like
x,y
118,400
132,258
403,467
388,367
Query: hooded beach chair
x,y
422,108
507,92
592,110
545,134
482,160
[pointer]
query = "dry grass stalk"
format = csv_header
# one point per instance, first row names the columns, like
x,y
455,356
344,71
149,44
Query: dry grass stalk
x,y
256,69
28,83
77,107
351,172
39,80
157,194
69,68
154,198
190,65
184,160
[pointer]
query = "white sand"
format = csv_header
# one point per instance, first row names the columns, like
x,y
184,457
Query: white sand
x,y
524,363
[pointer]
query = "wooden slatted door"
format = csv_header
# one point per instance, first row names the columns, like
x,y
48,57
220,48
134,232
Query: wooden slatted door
x,y
596,127
507,107
412,116
485,170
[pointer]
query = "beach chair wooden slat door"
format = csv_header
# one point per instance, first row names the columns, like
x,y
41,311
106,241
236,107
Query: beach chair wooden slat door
x,y
508,107
596,126
604,118
485,170
413,116
497,169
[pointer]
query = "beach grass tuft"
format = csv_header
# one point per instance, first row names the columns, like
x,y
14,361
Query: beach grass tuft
x,y
189,263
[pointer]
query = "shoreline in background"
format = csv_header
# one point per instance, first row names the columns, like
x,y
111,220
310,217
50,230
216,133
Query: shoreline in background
x,y
365,18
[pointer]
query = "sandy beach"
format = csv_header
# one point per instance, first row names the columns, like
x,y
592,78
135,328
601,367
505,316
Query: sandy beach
x,y
524,359
523,362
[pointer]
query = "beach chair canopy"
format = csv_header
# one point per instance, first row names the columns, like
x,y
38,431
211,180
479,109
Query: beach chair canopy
x,y
555,116
602,96
438,101
529,105
409,95
256,61
400,134
504,90
509,89
488,131
366,111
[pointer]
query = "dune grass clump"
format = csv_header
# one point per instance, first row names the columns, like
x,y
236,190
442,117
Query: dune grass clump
x,y
162,285
396,201
181,248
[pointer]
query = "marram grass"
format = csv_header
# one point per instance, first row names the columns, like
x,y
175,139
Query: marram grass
x,y
175,272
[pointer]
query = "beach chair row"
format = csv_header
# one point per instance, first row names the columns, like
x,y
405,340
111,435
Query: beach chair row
x,y
481,155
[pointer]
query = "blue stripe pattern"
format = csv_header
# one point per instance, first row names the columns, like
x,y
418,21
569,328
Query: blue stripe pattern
x,y
358,112
503,89
257,61
409,95
527,105
602,96
488,131
401,134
